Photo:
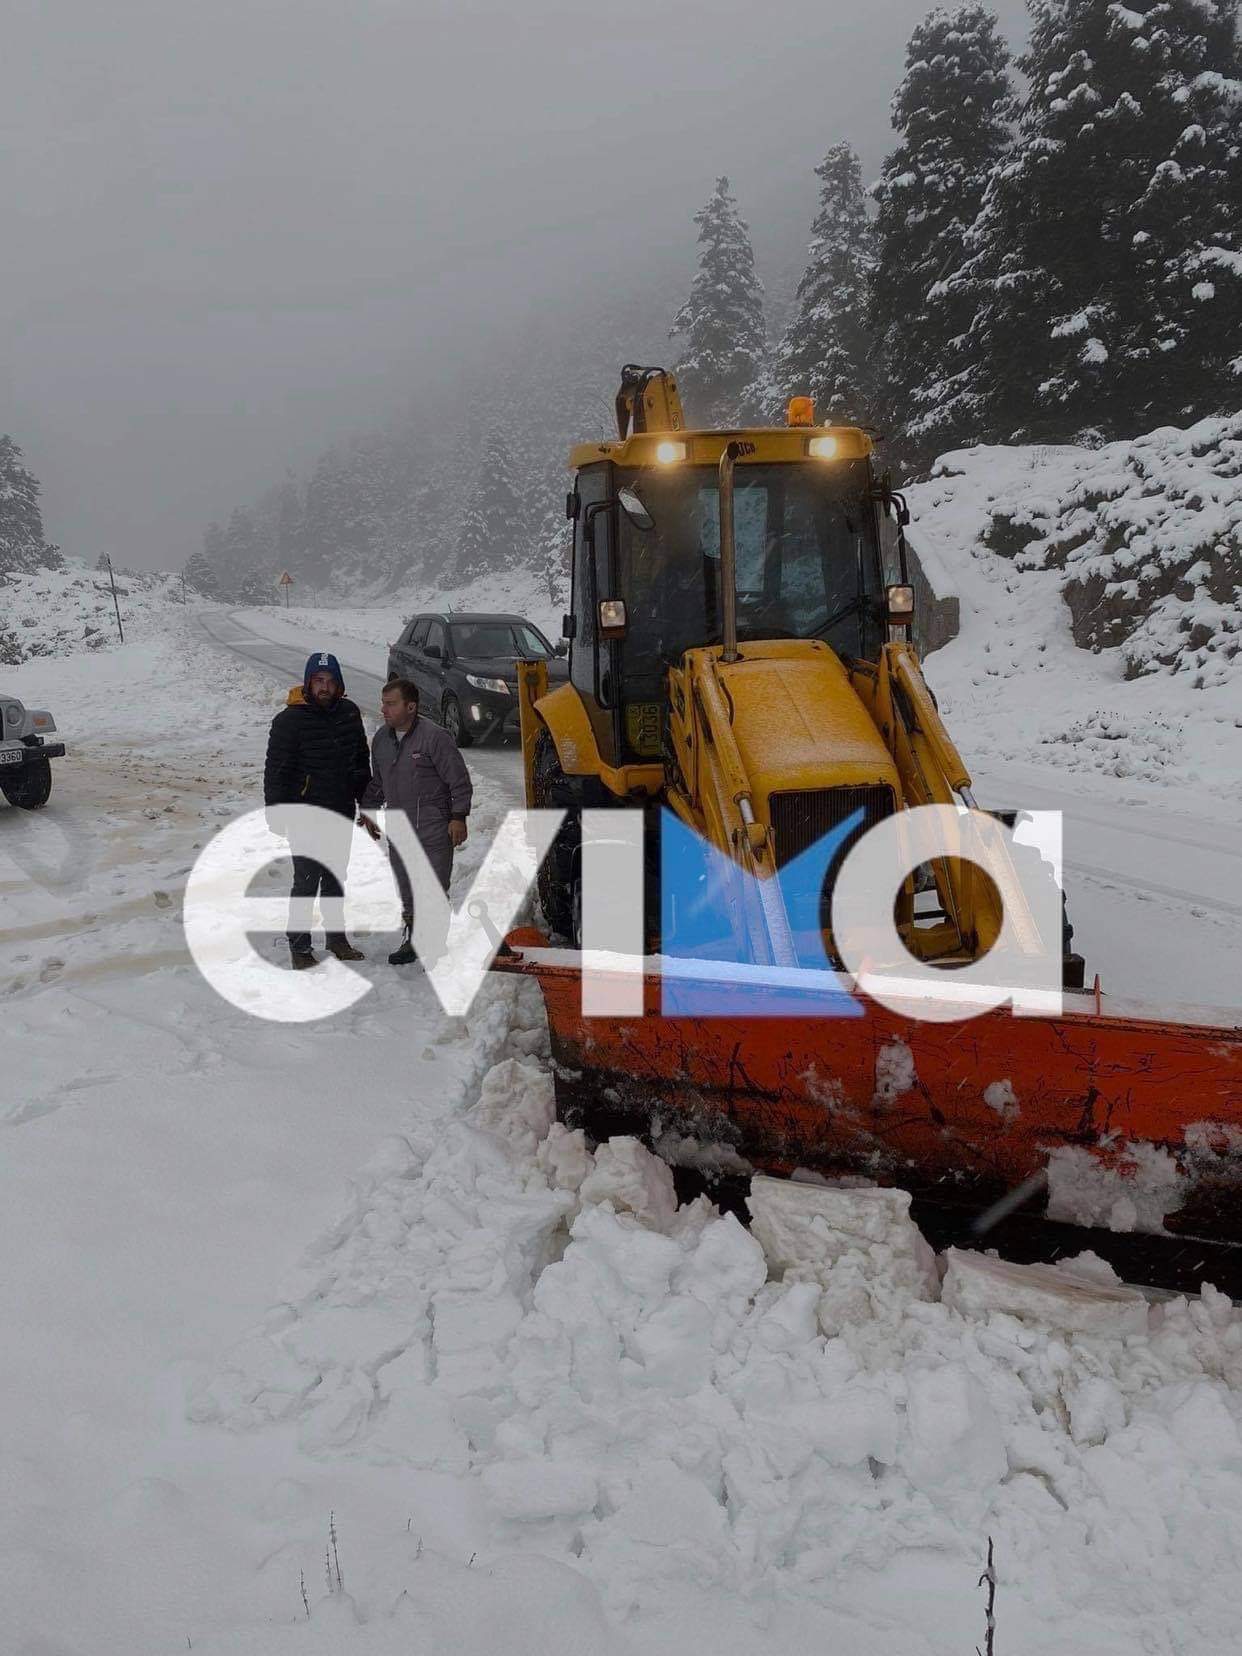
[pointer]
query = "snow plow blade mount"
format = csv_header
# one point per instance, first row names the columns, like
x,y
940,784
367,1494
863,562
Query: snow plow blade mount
x,y
1117,1130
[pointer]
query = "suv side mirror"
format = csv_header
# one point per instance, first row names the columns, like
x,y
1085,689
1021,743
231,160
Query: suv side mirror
x,y
433,652
561,648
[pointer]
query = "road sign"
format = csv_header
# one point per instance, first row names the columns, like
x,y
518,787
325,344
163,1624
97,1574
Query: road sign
x,y
286,581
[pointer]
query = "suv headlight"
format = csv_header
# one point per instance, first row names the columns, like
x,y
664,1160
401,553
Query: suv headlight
x,y
498,685
13,713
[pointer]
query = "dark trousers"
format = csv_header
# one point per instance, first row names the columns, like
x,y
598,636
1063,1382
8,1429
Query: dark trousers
x,y
439,854
312,879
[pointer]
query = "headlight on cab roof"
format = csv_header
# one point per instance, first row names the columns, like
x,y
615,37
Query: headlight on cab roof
x,y
822,448
498,685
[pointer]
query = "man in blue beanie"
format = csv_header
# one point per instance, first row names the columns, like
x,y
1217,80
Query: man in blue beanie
x,y
317,754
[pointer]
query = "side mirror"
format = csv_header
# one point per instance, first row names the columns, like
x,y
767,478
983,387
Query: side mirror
x,y
433,652
561,648
634,509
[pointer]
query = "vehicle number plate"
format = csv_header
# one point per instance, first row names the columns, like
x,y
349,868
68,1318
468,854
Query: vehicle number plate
x,y
11,756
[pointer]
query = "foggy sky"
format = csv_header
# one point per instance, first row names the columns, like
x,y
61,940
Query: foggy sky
x,y
233,231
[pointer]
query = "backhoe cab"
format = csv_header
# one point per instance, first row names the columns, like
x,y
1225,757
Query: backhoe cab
x,y
740,653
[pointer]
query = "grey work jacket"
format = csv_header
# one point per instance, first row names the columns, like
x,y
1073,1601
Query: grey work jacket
x,y
422,774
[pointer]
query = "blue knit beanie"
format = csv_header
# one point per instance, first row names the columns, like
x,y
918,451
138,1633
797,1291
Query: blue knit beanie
x,y
321,662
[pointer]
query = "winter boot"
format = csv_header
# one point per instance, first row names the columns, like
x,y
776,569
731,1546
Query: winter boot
x,y
340,946
302,959
405,955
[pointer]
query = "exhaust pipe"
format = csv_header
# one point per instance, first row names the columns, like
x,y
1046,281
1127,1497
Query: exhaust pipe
x,y
728,554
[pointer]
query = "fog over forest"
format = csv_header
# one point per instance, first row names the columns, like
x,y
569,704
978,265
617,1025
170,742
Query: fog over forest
x,y
239,234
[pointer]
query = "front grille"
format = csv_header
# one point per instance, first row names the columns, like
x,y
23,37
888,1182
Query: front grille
x,y
799,819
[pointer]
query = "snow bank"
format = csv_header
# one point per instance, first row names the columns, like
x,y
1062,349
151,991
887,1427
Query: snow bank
x,y
640,1394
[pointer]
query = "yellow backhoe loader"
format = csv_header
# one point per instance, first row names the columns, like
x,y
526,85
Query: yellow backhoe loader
x,y
742,674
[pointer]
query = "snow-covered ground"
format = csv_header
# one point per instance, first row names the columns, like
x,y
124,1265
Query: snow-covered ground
x,y
59,612
541,1408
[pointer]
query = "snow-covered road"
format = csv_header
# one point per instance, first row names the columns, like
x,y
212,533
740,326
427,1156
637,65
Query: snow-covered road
x,y
500,764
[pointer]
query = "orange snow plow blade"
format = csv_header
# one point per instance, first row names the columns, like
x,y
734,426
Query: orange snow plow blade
x,y
1109,1129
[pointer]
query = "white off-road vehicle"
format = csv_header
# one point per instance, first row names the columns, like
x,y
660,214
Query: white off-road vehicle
x,y
26,753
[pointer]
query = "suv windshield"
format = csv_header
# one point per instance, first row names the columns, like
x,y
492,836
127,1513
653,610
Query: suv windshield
x,y
498,638
807,562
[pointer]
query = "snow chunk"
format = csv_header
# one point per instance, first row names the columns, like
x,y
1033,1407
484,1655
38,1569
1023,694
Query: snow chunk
x,y
894,1072
1000,1096
1054,1296
1136,1193
563,1157
627,1175
859,1245
517,1102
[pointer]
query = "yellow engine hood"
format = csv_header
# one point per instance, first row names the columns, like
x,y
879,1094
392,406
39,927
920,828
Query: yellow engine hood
x,y
798,722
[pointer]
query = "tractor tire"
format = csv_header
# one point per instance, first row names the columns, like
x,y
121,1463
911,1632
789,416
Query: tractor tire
x,y
560,876
31,788
452,720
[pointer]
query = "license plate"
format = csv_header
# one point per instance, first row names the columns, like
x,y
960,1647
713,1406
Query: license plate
x,y
11,756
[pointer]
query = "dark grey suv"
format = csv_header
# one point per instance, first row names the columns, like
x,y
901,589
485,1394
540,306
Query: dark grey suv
x,y
465,667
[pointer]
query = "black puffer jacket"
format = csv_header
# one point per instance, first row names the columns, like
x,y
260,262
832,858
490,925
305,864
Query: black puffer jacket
x,y
317,757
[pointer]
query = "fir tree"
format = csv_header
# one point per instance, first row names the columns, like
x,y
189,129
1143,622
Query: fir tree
x,y
721,323
201,576
827,351
1088,265
1182,348
951,114
22,546
489,525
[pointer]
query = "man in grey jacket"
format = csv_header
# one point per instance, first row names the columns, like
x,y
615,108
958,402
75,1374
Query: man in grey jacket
x,y
416,768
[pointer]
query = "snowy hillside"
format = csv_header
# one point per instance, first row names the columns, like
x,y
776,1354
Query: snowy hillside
x,y
1146,537
1128,549
61,611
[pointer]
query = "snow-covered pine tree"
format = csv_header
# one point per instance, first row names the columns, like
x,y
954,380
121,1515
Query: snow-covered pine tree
x,y
201,574
22,546
552,557
1087,267
721,323
827,351
951,114
490,522
1182,345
